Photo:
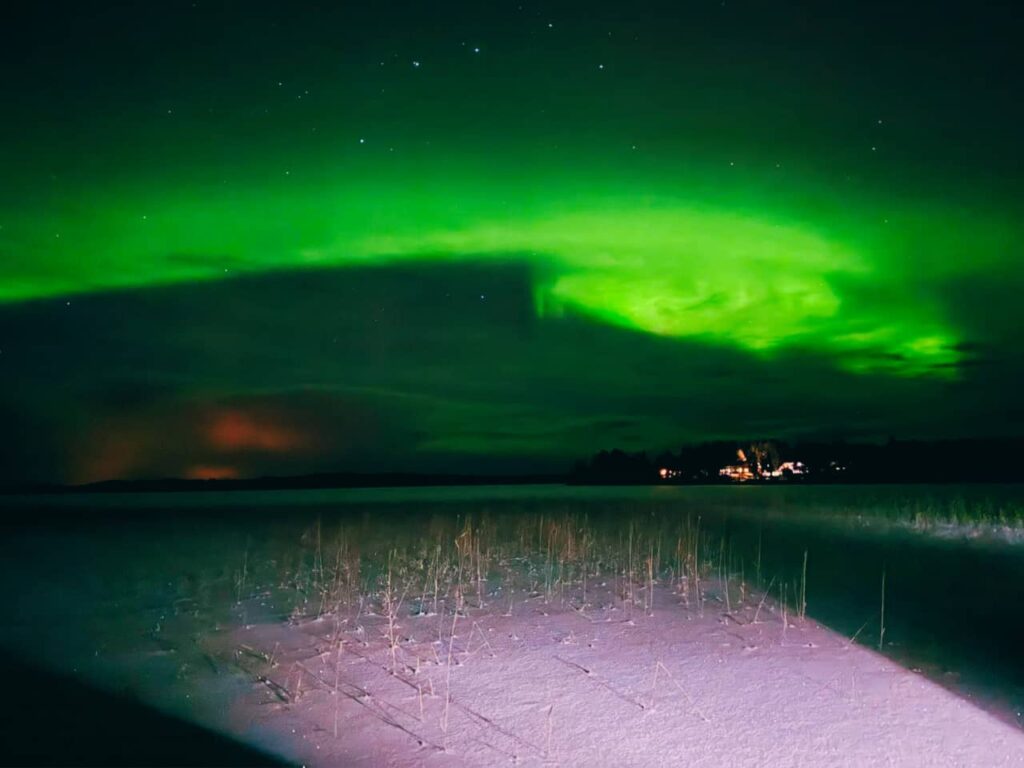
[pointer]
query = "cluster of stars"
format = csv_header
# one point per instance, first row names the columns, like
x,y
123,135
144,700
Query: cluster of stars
x,y
415,64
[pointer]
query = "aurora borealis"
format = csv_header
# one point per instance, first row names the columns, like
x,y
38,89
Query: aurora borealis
x,y
500,236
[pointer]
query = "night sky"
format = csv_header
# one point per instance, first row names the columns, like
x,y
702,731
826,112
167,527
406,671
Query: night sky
x,y
247,239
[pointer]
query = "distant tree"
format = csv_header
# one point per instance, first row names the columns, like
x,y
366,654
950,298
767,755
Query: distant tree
x,y
615,467
667,459
764,457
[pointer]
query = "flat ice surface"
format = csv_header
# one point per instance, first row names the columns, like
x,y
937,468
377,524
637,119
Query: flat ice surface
x,y
552,685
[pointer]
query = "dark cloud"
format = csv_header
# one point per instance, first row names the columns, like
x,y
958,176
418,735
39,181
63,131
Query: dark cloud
x,y
408,368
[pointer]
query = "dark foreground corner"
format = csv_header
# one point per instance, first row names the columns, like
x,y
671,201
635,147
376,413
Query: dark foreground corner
x,y
50,719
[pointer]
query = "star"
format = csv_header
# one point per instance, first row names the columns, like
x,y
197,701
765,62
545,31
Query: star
x,y
416,64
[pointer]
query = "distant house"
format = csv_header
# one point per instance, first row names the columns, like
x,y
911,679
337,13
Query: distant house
x,y
764,466
743,471
667,473
789,469
739,473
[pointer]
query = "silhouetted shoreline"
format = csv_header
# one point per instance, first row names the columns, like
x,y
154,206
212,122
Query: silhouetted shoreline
x,y
993,460
896,461
297,482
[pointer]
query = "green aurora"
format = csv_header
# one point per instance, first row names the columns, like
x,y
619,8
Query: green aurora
x,y
742,184
733,272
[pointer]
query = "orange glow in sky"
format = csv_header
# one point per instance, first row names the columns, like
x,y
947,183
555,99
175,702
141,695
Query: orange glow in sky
x,y
211,472
234,430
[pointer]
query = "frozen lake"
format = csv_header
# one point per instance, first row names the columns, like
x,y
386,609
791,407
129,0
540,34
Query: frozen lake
x,y
123,590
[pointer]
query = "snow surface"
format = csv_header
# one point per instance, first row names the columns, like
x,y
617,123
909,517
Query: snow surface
x,y
528,680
